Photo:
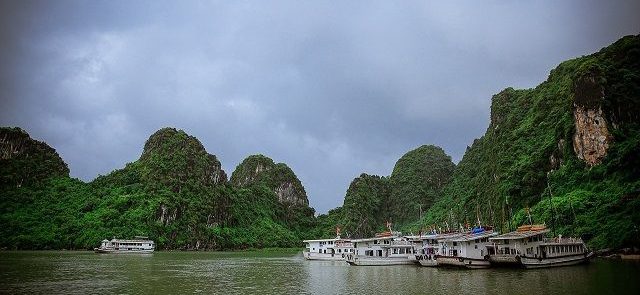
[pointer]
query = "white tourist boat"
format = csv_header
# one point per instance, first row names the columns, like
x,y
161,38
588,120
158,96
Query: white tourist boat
x,y
507,249
384,249
327,249
465,250
138,245
557,252
426,256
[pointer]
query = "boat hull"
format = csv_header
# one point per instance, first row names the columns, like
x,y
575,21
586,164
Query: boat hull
x,y
505,260
426,260
322,256
378,261
462,262
113,251
532,262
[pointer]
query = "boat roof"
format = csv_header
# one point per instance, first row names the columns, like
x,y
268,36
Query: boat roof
x,y
133,240
515,235
326,240
470,236
375,238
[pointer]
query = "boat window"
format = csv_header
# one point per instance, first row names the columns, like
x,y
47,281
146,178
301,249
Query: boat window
x,y
455,243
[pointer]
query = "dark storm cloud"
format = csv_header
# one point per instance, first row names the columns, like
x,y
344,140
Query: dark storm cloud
x,y
332,89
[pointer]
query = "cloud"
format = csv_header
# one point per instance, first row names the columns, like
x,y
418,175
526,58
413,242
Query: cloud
x,y
331,89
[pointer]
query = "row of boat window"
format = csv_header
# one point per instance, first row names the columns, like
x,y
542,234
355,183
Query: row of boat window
x,y
565,249
131,244
386,242
327,242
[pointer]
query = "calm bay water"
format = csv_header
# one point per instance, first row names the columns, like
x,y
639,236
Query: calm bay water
x,y
69,272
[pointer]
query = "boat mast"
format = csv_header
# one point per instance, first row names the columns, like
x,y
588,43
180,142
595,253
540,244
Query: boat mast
x,y
553,213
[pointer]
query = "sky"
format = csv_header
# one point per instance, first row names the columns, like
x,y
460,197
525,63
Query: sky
x,y
331,88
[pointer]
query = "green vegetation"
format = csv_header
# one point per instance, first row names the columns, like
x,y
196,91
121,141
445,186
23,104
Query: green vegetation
x,y
417,179
176,193
526,157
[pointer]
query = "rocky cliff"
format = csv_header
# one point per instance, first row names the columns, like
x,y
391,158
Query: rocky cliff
x,y
258,169
25,161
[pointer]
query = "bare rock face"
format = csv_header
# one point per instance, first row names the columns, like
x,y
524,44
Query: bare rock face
x,y
592,138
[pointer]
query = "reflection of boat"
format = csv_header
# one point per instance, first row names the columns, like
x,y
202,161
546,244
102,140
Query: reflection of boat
x,y
557,252
137,245
508,248
467,250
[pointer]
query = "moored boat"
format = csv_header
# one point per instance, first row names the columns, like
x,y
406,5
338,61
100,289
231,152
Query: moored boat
x,y
387,249
557,252
507,249
327,249
140,245
466,250
426,256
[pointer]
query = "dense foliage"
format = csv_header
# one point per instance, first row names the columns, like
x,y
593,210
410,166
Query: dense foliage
x,y
176,193
417,180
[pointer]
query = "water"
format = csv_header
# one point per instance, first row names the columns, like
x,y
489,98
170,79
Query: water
x,y
68,272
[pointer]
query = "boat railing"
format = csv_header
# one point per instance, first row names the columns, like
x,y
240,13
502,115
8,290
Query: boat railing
x,y
563,240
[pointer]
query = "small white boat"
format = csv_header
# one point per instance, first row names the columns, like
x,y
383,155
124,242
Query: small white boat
x,y
557,252
140,245
466,250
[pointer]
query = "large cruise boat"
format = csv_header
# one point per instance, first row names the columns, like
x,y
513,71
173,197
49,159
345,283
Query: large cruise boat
x,y
466,250
138,245
507,249
557,252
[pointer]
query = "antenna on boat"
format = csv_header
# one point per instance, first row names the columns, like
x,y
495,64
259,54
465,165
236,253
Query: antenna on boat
x,y
529,215
337,231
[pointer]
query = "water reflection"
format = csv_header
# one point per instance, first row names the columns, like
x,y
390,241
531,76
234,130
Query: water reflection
x,y
248,273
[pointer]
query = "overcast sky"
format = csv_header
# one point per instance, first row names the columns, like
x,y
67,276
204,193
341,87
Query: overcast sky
x,y
333,89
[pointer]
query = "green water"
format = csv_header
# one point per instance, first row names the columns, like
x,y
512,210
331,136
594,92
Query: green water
x,y
68,272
